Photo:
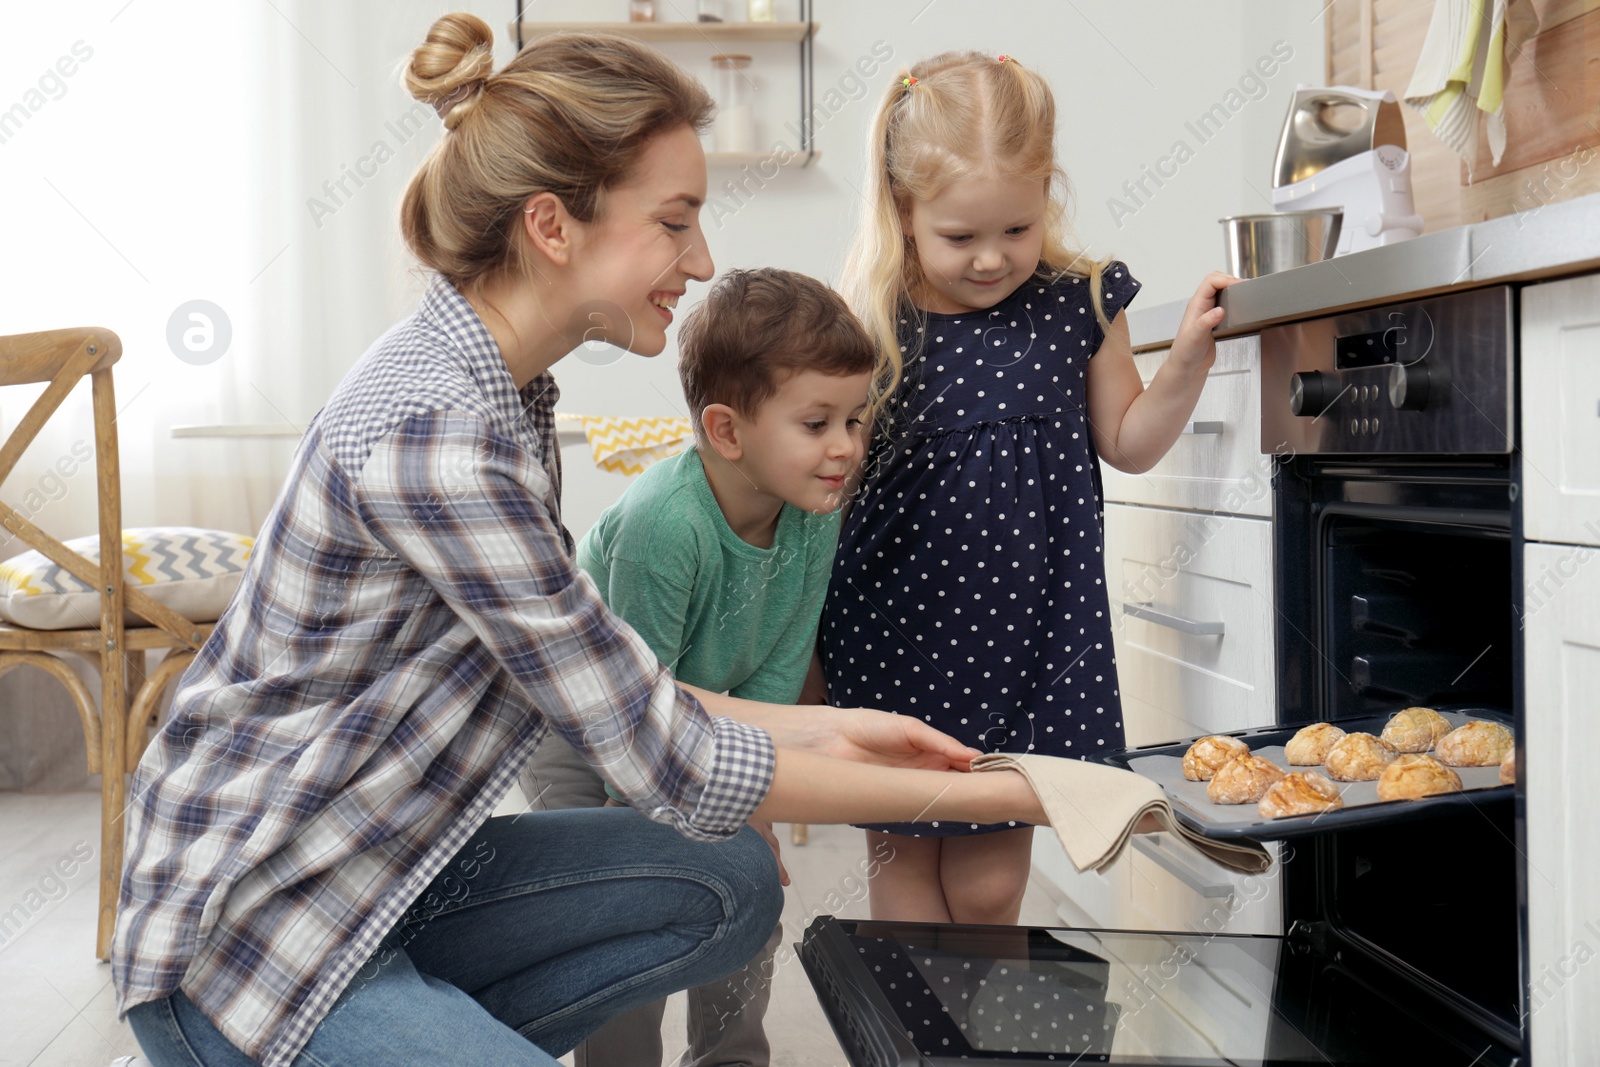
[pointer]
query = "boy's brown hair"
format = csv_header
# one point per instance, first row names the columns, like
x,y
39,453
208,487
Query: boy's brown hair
x,y
755,329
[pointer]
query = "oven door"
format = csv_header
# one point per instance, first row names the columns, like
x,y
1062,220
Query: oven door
x,y
1396,589
908,993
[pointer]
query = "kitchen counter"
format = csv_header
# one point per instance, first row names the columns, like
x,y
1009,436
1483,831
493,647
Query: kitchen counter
x,y
1544,242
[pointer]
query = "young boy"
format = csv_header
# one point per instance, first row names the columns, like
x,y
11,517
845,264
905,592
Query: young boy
x,y
719,557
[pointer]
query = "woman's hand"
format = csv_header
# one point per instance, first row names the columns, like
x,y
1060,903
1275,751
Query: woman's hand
x,y
857,734
876,737
1193,346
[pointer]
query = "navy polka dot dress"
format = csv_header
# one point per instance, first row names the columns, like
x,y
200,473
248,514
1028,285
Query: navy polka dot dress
x,y
969,586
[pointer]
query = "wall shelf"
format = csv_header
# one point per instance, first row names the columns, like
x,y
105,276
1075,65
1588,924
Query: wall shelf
x,y
718,34
709,32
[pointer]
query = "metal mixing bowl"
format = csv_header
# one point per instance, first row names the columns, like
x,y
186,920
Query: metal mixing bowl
x,y
1265,244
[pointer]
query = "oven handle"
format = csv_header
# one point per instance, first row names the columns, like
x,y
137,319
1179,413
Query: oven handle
x,y
1161,618
1203,427
1195,879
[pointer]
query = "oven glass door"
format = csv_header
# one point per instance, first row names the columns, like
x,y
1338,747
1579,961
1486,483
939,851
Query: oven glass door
x,y
915,993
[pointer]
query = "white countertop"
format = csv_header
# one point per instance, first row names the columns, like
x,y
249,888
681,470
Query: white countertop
x,y
1544,242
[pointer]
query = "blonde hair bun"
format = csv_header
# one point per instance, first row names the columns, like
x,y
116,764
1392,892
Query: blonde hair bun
x,y
570,115
449,69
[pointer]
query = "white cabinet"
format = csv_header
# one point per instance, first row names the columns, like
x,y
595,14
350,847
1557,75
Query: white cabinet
x,y
1192,620
1216,463
1158,884
1189,565
1189,572
1093,900
1560,422
1561,411
1562,634
1173,887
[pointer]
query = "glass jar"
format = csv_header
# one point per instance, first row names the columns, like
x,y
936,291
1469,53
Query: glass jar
x,y
735,126
762,11
641,10
710,10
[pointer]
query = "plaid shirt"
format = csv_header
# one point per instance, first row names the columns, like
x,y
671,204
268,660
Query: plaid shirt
x,y
410,626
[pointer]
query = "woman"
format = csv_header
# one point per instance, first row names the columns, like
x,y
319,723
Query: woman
x,y
312,873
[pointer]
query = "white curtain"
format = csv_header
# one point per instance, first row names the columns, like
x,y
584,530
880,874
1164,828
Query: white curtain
x,y
250,154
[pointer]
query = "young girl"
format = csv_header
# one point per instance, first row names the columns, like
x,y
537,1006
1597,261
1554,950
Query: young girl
x,y
969,587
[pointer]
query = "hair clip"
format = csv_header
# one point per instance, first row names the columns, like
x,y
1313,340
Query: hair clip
x,y
1003,57
908,82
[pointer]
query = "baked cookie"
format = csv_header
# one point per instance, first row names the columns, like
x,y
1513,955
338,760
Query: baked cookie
x,y
1358,758
1415,730
1508,768
1242,780
1477,744
1310,746
1414,775
1206,755
1300,793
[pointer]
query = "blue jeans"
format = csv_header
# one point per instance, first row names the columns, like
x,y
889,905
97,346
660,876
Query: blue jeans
x,y
572,917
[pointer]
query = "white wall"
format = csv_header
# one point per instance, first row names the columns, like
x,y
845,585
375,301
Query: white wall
x,y
1127,78
184,158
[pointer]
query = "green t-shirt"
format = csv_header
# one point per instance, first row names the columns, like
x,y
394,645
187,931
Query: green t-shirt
x,y
722,614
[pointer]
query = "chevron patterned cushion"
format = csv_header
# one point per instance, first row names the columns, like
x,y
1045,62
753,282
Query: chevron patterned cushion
x,y
192,571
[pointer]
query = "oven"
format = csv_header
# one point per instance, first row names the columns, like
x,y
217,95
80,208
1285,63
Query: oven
x,y
1395,544
1395,535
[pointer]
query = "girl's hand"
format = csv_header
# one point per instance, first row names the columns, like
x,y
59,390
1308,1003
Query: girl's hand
x,y
1194,347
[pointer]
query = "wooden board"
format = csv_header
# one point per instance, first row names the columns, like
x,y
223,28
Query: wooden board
x,y
1552,104
1560,179
1552,99
1553,13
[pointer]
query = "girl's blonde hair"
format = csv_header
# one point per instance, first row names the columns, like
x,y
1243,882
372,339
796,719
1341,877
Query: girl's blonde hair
x,y
964,115
571,115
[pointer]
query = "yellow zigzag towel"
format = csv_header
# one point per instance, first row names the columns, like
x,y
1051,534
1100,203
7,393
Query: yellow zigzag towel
x,y
626,445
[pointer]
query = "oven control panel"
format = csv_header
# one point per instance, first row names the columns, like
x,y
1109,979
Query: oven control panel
x,y
1423,377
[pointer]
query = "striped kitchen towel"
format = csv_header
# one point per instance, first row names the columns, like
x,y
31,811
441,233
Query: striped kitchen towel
x,y
1462,71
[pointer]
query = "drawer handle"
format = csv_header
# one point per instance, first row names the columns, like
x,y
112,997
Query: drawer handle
x,y
1161,618
1195,879
1202,427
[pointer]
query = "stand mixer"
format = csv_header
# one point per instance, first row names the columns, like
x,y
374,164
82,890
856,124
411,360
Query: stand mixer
x,y
1362,168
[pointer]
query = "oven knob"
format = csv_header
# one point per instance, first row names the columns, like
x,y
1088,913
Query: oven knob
x,y
1409,386
1311,392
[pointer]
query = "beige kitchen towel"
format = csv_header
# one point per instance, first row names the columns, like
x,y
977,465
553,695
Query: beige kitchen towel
x,y
1093,809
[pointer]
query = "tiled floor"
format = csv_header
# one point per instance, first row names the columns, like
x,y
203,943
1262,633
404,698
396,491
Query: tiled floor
x,y
56,1006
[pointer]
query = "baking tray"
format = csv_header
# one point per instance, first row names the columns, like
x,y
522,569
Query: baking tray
x,y
1163,764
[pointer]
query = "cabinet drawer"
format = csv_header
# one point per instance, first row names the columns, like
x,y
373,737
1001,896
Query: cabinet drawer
x,y
1216,464
1091,899
1173,887
1192,620
1159,885
1561,411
